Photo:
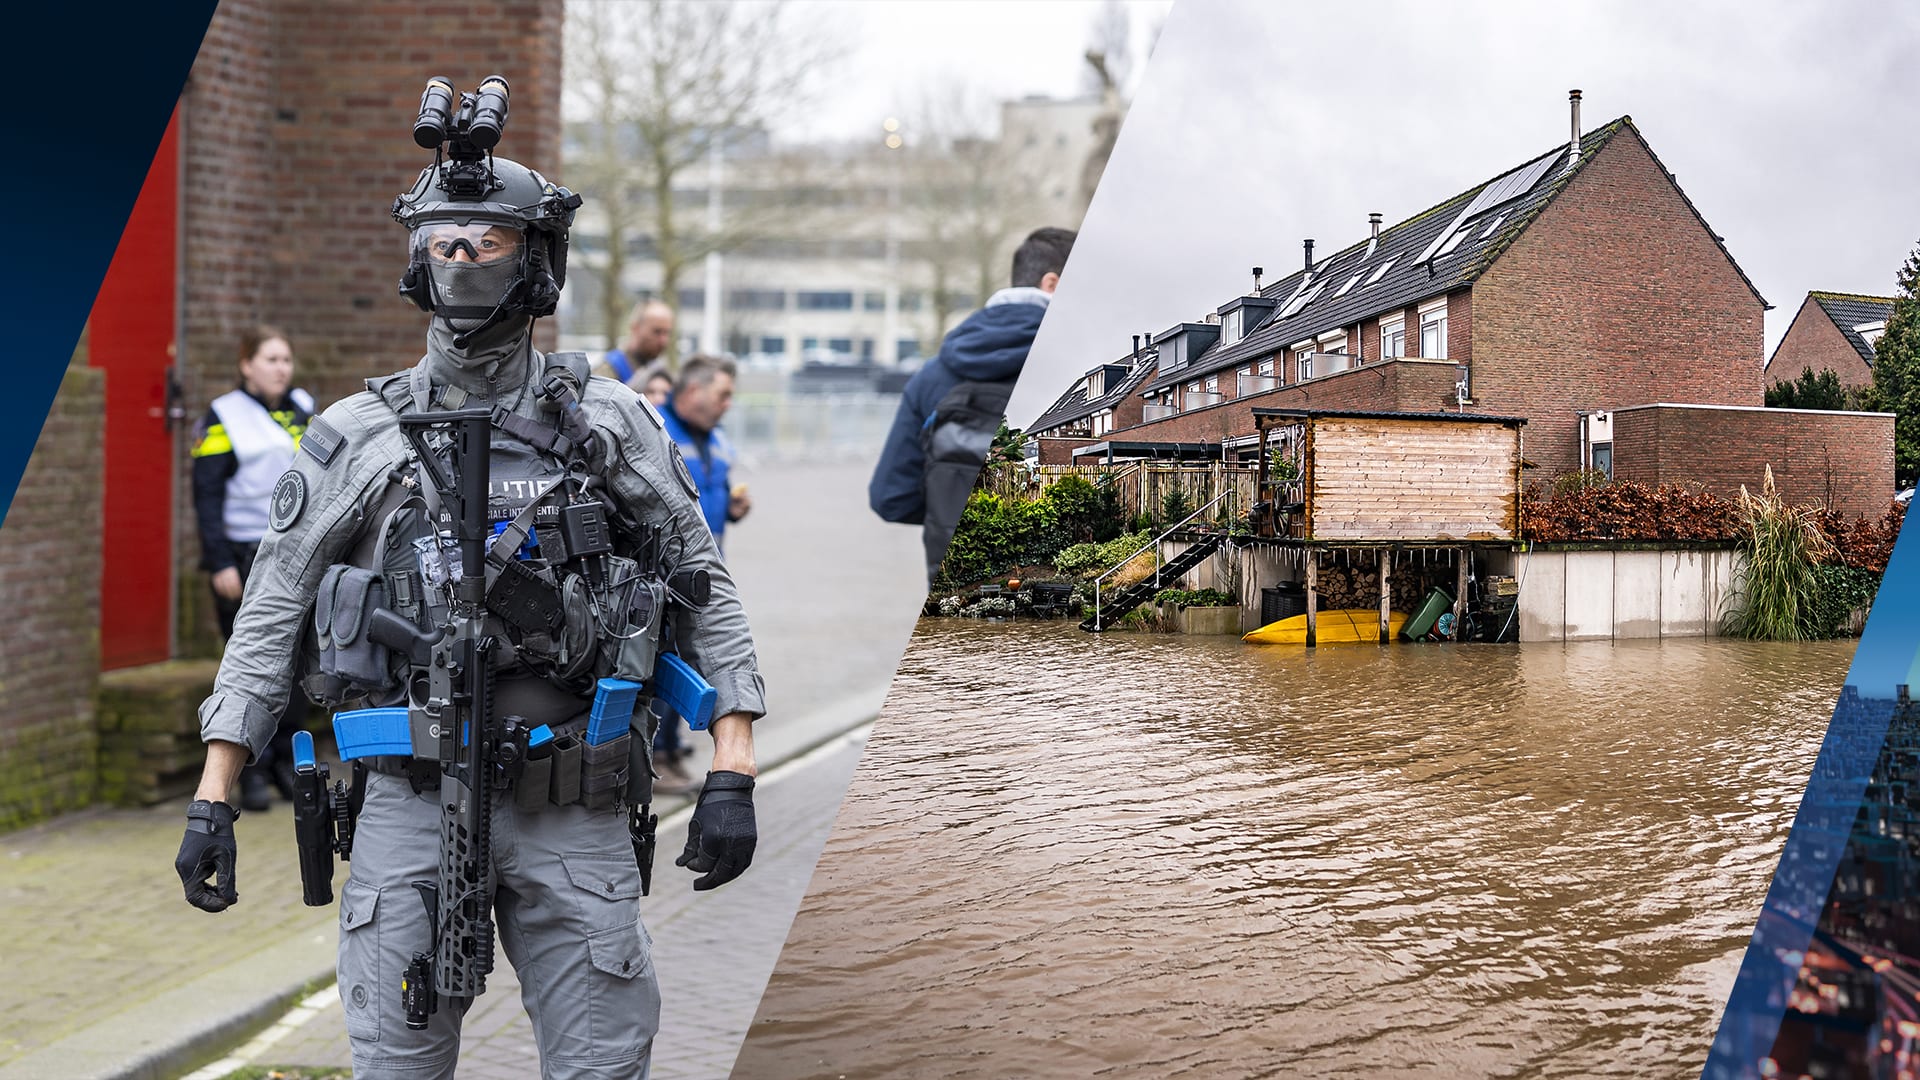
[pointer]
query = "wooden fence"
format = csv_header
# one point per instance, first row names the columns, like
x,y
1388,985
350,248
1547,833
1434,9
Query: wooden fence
x,y
1141,487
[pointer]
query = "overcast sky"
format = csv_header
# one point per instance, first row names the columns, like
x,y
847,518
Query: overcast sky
x,y
1003,49
1791,126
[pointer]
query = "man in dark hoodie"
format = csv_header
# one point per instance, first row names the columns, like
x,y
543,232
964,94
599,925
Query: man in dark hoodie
x,y
975,371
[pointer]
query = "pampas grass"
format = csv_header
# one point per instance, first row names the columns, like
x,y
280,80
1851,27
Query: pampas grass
x,y
1779,597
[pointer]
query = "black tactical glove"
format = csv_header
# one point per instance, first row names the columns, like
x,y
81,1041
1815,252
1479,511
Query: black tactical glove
x,y
205,862
721,835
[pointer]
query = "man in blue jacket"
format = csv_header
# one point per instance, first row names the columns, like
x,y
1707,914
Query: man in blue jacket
x,y
701,396
985,352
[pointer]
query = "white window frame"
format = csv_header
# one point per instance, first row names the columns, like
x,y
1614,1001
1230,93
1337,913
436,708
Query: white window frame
x,y
1266,366
1434,315
1213,384
1230,326
1303,361
1333,341
1390,329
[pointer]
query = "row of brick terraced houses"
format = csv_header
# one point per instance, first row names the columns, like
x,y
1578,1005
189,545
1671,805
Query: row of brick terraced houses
x,y
1581,290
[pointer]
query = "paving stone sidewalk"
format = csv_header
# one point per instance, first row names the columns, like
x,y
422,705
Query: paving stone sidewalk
x,y
111,974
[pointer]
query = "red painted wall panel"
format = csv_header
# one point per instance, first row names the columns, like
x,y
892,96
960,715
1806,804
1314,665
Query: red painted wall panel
x,y
131,336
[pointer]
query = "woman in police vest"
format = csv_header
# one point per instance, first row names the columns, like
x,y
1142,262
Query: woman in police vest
x,y
246,440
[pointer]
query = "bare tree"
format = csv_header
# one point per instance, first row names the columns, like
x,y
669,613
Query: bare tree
x,y
966,196
661,86
1109,63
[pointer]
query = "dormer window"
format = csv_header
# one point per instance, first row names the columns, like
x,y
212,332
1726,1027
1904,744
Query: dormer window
x,y
1230,326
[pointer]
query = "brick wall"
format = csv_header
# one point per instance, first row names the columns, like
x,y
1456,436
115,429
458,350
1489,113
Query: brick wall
x,y
1814,342
296,123
1059,451
1840,460
1402,386
50,591
1617,295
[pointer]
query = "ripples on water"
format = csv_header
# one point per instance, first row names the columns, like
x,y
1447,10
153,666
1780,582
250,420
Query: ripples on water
x,y
1184,856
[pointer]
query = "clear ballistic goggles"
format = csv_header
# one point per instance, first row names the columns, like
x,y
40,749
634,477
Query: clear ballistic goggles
x,y
478,242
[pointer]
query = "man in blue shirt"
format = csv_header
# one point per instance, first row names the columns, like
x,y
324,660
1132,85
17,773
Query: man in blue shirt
x,y
649,330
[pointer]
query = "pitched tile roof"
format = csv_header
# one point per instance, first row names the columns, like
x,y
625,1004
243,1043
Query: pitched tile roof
x,y
1849,310
1074,404
1430,254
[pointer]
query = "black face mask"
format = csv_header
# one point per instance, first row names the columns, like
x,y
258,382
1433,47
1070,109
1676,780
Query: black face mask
x,y
473,290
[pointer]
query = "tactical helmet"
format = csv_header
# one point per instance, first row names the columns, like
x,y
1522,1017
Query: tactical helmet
x,y
511,224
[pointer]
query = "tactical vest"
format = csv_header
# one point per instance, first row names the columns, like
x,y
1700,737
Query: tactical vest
x,y
565,617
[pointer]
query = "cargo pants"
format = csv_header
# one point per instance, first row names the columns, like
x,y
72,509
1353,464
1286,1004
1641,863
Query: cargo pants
x,y
567,908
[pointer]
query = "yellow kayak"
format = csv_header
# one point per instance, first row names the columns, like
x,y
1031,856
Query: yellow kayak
x,y
1347,624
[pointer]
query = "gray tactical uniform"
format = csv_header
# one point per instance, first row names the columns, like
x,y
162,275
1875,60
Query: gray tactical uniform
x,y
567,887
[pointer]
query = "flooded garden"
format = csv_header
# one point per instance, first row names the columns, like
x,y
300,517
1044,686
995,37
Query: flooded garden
x,y
1066,854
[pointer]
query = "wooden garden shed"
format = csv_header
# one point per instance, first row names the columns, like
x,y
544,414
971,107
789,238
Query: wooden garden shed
x,y
1333,475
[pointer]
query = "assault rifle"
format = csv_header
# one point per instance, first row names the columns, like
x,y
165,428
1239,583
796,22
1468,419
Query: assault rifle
x,y
454,704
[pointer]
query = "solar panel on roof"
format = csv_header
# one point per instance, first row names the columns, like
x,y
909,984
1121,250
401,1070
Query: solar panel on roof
x,y
1502,189
1513,185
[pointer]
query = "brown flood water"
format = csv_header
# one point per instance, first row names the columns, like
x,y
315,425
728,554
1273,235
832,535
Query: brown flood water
x,y
1176,856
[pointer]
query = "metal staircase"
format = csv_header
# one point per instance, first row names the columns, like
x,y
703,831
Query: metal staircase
x,y
1109,608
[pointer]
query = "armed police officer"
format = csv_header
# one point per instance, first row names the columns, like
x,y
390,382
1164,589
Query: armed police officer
x,y
592,568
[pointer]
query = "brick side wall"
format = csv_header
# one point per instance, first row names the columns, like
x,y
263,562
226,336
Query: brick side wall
x,y
1403,387
1840,460
1814,342
296,138
1615,296
50,590
1058,451
1460,326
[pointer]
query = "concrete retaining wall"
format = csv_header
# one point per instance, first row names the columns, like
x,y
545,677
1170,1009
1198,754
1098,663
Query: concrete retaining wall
x,y
1586,595
1597,595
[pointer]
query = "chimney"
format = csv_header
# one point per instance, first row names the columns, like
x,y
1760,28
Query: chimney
x,y
1373,219
1256,282
1136,346
1309,247
1573,146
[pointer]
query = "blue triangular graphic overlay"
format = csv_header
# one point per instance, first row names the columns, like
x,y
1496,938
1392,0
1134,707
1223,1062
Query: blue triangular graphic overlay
x,y
1789,933
91,93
